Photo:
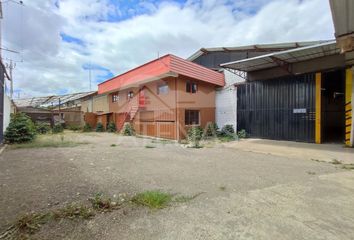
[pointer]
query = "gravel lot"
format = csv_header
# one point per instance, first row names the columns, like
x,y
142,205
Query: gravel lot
x,y
245,195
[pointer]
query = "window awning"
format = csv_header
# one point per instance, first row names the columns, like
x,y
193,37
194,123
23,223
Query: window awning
x,y
283,58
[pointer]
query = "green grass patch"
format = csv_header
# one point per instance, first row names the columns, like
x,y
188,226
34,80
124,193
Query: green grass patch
x,y
311,173
153,199
113,145
48,144
222,188
49,141
150,146
348,166
336,162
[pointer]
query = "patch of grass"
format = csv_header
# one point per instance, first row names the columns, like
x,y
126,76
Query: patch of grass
x,y
48,144
226,138
336,162
348,166
153,199
150,146
222,188
311,173
113,145
31,223
162,141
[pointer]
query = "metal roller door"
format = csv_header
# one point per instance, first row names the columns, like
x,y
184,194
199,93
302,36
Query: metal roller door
x,y
280,109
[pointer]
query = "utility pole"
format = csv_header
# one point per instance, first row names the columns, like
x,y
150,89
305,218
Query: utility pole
x,y
11,67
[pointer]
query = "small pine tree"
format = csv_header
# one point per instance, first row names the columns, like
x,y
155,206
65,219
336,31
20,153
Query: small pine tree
x,y
20,130
228,130
194,135
211,130
111,127
87,128
99,127
128,129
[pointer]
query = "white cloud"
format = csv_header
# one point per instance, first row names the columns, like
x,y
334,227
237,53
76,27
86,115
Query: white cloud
x,y
50,64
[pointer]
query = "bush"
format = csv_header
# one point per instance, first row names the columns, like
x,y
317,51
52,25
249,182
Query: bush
x,y
99,127
87,128
211,130
111,127
242,133
194,135
228,130
58,128
21,129
74,127
128,129
42,127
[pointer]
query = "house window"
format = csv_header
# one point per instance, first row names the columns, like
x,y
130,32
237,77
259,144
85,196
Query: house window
x,y
130,94
115,97
191,87
162,88
191,117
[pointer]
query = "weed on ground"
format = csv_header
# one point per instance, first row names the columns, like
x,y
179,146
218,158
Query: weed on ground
x,y
153,199
113,145
222,188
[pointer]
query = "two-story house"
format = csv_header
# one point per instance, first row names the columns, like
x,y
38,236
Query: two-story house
x,y
162,98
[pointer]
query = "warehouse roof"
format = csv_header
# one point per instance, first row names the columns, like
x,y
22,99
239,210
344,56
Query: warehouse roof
x,y
343,16
284,57
258,47
168,65
48,100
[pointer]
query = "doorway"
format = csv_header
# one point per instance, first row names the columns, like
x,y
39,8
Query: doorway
x,y
333,106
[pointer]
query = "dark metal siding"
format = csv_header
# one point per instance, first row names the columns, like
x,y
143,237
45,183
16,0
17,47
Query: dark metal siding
x,y
265,109
2,79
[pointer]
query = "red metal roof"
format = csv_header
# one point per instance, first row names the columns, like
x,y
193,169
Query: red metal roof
x,y
168,65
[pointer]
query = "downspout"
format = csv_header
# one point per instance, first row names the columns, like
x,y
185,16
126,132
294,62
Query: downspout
x,y
176,111
352,103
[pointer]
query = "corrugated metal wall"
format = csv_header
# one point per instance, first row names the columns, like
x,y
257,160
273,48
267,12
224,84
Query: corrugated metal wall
x,y
281,109
2,80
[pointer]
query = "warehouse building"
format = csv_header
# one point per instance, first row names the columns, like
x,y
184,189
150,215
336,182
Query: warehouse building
x,y
302,94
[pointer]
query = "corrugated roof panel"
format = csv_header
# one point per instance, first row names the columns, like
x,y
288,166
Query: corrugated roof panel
x,y
290,56
343,16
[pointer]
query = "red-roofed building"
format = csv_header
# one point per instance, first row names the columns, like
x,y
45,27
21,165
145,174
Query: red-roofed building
x,y
163,97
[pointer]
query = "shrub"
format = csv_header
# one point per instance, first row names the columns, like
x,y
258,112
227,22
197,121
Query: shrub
x,y
211,130
74,127
99,127
58,128
128,129
111,127
42,127
87,128
242,133
194,135
21,129
228,130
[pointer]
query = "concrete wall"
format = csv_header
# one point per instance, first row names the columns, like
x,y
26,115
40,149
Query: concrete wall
x,y
226,101
100,104
8,109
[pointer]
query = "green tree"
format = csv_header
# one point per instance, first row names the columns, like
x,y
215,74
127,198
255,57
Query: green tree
x,y
20,130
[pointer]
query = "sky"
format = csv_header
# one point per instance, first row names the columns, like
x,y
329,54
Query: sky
x,y
58,41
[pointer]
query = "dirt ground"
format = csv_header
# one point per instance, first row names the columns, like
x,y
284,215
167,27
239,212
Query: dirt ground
x,y
245,195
